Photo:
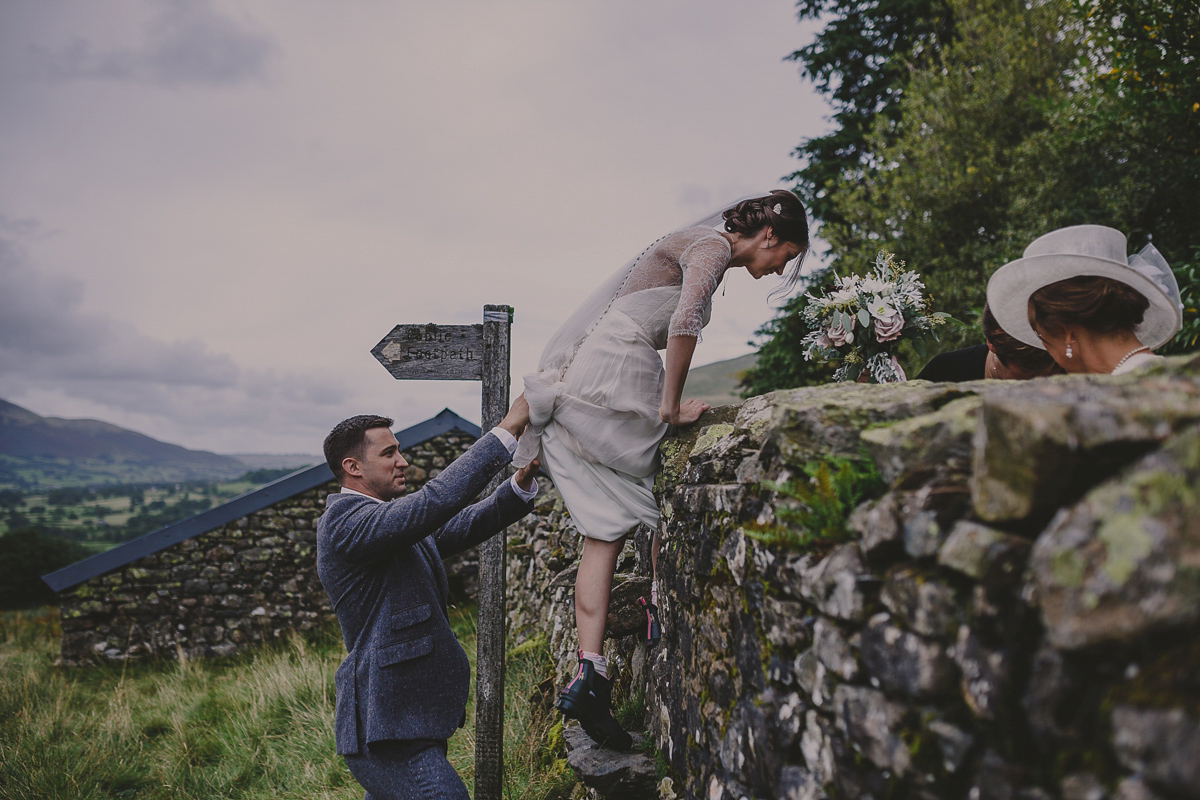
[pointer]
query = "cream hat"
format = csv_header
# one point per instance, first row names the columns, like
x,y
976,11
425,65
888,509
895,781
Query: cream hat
x,y
1086,250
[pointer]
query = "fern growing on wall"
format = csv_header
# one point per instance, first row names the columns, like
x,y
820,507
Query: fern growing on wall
x,y
825,494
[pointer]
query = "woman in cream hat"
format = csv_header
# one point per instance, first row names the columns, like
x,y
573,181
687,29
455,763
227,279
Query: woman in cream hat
x,y
1076,295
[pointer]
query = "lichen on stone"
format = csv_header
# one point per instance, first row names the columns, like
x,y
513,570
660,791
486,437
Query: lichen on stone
x,y
1126,543
1069,569
710,435
1157,490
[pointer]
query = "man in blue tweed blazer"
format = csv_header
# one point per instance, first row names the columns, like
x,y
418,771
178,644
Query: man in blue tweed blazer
x,y
402,689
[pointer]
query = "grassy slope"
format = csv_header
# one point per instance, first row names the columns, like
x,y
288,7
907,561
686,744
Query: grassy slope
x,y
717,383
254,726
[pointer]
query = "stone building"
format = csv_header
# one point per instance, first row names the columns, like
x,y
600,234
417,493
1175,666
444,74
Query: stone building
x,y
242,572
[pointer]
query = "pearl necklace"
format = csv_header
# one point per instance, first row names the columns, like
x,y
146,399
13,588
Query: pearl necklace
x,y
1127,356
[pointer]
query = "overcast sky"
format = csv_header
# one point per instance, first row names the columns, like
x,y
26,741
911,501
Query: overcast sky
x,y
211,210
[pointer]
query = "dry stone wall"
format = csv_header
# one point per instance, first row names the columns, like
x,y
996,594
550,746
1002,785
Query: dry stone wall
x,y
1014,615
251,580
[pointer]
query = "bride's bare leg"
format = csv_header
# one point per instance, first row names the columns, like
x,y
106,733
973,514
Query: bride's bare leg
x,y
593,585
653,626
588,697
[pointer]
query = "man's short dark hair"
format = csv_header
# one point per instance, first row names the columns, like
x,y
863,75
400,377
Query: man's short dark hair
x,y
348,438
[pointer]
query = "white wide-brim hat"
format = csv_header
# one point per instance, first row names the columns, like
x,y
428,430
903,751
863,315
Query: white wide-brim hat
x,y
1092,250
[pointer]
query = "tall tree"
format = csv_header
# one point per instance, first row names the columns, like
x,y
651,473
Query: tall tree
x,y
1123,148
861,61
948,172
1129,139
1034,116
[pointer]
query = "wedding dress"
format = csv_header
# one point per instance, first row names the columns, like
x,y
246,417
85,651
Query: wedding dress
x,y
594,402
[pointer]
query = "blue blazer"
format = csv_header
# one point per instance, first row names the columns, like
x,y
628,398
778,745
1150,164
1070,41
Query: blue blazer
x,y
405,675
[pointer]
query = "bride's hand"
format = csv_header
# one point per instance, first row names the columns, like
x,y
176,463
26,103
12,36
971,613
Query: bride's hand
x,y
688,412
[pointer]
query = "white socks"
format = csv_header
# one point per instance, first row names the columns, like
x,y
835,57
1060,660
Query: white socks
x,y
654,594
599,662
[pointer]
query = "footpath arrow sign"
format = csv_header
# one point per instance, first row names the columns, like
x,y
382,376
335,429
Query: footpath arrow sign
x,y
433,352
471,353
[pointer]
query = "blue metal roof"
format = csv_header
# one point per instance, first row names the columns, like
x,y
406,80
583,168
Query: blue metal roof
x,y
288,486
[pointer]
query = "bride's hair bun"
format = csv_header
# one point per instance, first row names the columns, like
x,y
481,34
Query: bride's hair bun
x,y
781,211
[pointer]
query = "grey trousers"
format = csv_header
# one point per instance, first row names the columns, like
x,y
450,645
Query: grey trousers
x,y
407,770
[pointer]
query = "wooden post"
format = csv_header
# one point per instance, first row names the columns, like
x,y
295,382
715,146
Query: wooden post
x,y
489,661
471,352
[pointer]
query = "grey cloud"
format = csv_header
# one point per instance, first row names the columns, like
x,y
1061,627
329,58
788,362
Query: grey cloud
x,y
44,333
187,43
20,227
45,336
205,408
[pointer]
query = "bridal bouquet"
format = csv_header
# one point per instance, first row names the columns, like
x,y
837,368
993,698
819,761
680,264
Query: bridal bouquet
x,y
862,321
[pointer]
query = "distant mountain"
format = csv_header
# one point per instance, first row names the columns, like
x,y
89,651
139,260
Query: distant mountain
x,y
717,383
276,460
41,452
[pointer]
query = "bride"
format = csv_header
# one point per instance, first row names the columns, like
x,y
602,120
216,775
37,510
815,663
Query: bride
x,y
602,401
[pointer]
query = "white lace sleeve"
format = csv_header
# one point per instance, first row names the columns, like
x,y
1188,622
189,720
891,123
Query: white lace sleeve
x,y
703,264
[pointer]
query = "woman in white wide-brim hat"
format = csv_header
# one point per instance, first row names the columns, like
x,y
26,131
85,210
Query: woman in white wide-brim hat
x,y
1075,294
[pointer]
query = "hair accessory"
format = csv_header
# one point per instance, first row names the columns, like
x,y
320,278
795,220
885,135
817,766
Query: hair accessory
x,y
1069,350
1091,250
778,208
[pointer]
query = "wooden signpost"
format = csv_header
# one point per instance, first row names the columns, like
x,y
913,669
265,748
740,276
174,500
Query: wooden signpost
x,y
471,353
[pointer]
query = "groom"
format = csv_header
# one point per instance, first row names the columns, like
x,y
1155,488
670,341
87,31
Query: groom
x,y
402,689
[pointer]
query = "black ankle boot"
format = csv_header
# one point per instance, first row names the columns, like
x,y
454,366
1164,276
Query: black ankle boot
x,y
653,628
588,698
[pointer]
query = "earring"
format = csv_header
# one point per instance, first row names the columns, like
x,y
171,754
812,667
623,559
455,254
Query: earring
x,y
1068,350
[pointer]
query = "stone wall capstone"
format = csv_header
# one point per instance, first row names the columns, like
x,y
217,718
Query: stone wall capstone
x,y
249,581
1016,615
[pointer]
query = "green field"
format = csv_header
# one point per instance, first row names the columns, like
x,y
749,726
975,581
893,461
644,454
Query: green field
x,y
101,517
257,725
38,473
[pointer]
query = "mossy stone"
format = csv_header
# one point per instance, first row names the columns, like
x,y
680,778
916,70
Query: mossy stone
x,y
823,421
924,442
1122,561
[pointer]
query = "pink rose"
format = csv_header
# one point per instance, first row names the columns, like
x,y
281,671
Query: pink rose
x,y
839,336
889,328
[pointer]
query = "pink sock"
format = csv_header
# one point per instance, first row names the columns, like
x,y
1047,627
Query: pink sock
x,y
599,662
